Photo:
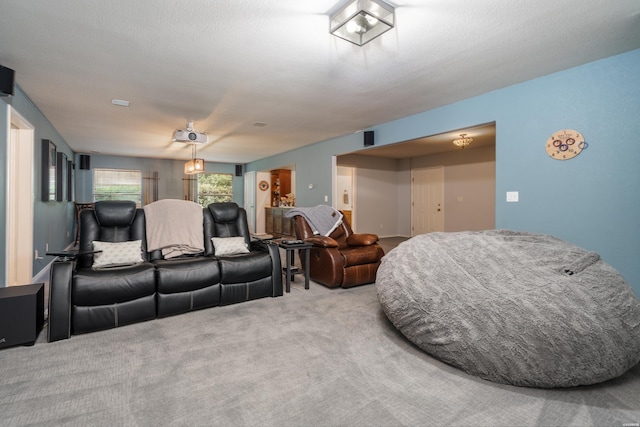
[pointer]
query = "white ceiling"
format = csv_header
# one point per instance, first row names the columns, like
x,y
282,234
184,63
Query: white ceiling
x,y
228,64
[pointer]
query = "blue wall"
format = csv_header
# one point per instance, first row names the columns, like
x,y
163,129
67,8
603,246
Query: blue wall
x,y
49,217
592,200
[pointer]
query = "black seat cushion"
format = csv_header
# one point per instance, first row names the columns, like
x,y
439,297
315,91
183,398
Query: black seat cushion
x,y
245,267
186,274
112,285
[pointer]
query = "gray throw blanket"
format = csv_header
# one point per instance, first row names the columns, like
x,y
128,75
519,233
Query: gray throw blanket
x,y
322,219
175,227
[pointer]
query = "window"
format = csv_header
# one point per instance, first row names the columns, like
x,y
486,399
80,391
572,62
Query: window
x,y
214,187
117,184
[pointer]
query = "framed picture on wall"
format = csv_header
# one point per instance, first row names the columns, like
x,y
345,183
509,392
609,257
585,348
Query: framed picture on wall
x,y
69,181
61,177
48,171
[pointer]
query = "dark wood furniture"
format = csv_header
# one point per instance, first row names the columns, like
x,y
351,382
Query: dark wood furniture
x,y
280,185
290,270
276,224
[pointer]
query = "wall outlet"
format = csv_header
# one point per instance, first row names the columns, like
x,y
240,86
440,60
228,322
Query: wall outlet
x,y
326,198
512,196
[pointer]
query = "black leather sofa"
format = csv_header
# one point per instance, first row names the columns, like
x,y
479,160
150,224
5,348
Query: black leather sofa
x,y
85,299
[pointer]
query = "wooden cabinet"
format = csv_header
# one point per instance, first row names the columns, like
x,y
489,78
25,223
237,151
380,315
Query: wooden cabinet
x,y
276,224
280,185
347,216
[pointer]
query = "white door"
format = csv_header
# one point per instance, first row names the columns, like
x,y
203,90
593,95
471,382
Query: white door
x,y
20,198
250,199
427,212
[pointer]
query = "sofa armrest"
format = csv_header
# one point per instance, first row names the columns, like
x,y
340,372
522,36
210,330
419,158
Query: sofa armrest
x,y
362,239
60,277
259,245
276,268
322,241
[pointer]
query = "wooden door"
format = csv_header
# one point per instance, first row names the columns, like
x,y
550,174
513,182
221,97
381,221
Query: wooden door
x,y
427,193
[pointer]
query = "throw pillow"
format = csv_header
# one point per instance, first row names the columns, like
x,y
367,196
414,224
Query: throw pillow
x,y
117,254
229,245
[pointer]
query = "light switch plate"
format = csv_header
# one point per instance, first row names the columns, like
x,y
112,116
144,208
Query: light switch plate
x,y
512,196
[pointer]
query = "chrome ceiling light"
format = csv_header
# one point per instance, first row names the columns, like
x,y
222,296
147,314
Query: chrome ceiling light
x,y
360,21
463,141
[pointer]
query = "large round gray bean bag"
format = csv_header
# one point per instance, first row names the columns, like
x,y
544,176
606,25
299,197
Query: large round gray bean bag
x,y
512,307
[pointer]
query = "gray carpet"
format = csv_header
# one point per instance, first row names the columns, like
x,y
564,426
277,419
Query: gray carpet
x,y
310,358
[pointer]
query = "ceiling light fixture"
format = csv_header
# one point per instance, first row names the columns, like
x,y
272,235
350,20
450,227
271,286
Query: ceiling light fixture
x,y
463,141
195,165
360,21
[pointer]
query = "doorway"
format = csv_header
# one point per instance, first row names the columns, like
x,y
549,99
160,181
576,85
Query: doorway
x,y
427,205
250,199
345,196
20,199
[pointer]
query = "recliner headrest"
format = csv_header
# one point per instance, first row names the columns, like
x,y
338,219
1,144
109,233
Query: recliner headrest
x,y
115,213
224,212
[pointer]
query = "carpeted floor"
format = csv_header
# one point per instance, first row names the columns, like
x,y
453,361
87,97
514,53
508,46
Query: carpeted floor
x,y
316,357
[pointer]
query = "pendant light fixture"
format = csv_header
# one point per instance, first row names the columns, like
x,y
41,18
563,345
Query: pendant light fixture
x,y
195,165
463,141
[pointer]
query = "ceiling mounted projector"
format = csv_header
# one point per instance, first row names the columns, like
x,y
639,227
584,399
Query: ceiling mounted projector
x,y
190,136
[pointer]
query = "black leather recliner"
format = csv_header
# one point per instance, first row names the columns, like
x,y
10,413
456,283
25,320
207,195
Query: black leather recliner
x,y
244,276
82,299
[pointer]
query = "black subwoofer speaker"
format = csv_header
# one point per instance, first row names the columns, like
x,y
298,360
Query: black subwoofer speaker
x,y
21,314
85,162
368,138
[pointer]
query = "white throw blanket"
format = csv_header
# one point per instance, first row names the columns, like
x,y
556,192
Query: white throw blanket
x,y
322,219
175,227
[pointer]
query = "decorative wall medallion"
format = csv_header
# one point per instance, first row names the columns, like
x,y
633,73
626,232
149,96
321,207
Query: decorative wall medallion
x,y
565,144
263,185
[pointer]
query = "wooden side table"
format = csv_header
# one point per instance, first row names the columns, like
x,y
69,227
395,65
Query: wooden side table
x,y
291,270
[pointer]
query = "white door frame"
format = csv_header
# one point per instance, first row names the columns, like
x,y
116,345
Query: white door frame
x,y
250,199
20,199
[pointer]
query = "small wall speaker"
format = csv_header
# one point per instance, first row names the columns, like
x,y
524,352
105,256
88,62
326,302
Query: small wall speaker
x,y
238,170
368,138
6,81
85,162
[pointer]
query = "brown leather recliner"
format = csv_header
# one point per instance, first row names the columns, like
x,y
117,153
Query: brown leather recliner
x,y
343,258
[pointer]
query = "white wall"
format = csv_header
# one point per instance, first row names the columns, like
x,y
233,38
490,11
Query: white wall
x,y
469,187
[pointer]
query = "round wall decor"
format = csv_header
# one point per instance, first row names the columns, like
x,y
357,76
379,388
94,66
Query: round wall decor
x,y
263,185
565,144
